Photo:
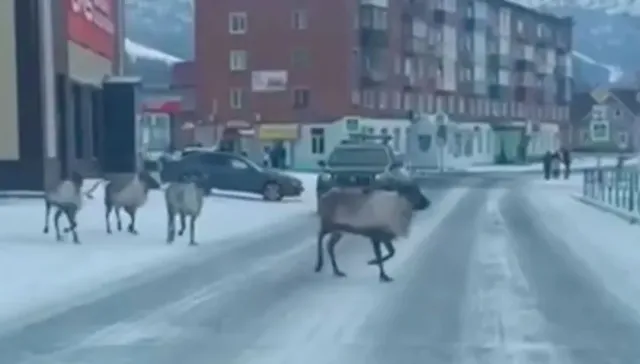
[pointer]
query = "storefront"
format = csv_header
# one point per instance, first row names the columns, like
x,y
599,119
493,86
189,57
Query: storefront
x,y
55,56
279,136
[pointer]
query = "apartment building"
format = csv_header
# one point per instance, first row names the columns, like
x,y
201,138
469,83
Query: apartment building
x,y
308,72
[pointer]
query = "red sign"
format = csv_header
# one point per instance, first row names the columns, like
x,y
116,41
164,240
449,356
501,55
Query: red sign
x,y
91,24
166,107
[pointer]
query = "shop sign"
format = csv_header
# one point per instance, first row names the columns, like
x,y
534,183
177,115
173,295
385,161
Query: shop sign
x,y
278,132
91,24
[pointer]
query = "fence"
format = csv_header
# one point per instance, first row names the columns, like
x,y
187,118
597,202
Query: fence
x,y
617,188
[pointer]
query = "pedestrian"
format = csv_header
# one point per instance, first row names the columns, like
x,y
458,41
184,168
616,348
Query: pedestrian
x,y
546,165
266,157
555,165
566,160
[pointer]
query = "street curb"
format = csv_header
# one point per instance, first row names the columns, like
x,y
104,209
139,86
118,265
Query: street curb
x,y
625,215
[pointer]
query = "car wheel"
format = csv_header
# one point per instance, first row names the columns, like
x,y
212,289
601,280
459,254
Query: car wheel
x,y
272,192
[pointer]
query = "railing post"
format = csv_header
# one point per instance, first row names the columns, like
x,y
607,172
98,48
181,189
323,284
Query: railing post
x,y
616,187
632,190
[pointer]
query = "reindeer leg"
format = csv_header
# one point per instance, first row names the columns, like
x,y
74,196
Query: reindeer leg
x,y
378,252
391,251
107,212
334,238
132,225
183,224
118,219
47,212
71,213
320,253
171,226
192,231
56,224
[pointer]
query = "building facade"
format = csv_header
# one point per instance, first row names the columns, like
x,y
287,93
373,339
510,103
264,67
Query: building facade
x,y
302,68
606,121
55,56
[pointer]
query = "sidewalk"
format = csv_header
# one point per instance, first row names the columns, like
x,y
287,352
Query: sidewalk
x,y
37,272
577,165
608,245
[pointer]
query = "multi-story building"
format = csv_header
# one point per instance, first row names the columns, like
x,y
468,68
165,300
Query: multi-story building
x,y
310,71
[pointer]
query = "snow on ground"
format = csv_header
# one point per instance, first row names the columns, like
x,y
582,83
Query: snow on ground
x,y
607,244
584,162
36,271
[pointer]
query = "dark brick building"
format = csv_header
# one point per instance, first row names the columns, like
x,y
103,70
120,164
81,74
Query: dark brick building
x,y
293,61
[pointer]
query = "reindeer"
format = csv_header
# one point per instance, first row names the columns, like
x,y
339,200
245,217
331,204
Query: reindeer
x,y
382,213
183,198
66,198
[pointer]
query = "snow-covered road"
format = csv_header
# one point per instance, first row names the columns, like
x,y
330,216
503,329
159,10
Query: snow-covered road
x,y
485,277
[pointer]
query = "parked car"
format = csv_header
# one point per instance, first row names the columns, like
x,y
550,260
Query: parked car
x,y
357,162
231,172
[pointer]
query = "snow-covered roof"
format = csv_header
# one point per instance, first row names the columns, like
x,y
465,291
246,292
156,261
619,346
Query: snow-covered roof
x,y
137,50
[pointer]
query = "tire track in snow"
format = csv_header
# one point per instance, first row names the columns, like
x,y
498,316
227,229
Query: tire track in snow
x,y
501,322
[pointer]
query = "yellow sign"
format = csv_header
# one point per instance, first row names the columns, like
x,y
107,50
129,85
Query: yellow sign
x,y
278,132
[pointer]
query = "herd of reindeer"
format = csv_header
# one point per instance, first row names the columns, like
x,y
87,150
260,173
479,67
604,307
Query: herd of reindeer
x,y
381,212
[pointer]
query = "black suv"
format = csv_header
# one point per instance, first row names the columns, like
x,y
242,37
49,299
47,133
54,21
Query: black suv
x,y
356,162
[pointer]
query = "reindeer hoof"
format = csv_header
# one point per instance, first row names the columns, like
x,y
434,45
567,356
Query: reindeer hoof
x,y
45,231
339,274
193,243
318,268
180,233
385,279
373,262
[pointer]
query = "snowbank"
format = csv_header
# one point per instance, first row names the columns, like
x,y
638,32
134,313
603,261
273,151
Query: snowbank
x,y
36,272
606,244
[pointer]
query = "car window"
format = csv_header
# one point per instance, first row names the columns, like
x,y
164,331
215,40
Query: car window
x,y
358,157
238,164
213,159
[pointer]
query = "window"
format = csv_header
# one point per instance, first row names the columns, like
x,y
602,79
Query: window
x,y
238,60
623,139
618,113
301,98
77,94
397,100
317,141
479,140
300,58
299,20
237,23
355,97
382,100
238,164
599,131
235,98
368,99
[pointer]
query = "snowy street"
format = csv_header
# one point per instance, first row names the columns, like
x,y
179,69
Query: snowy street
x,y
501,269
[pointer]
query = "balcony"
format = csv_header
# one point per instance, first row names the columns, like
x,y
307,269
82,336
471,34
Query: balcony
x,y
410,82
414,47
374,38
414,8
372,77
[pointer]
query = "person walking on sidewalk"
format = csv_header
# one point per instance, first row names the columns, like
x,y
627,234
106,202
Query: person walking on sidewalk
x,y
566,160
546,165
